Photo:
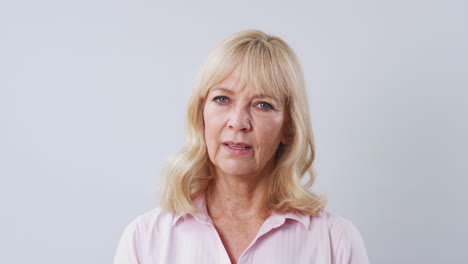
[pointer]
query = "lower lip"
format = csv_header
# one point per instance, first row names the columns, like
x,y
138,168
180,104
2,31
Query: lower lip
x,y
236,152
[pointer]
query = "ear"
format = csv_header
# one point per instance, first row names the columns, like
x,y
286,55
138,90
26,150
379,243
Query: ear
x,y
284,140
285,133
285,137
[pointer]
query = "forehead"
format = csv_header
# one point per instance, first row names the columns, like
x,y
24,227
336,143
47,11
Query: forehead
x,y
234,83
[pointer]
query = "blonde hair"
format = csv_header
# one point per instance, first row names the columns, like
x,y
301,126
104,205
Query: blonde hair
x,y
270,65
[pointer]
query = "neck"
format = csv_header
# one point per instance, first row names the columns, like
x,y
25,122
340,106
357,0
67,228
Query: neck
x,y
237,198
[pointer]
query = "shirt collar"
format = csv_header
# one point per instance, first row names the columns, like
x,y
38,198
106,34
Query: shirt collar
x,y
299,217
201,215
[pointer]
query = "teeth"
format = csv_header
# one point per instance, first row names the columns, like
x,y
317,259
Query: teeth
x,y
236,147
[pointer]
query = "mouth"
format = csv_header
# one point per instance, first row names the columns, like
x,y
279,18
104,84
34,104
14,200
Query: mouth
x,y
237,145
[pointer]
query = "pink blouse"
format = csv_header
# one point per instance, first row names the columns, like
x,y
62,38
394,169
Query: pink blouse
x,y
161,237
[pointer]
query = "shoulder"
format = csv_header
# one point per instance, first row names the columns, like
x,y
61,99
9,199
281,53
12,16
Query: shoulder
x,y
152,221
334,223
347,245
139,232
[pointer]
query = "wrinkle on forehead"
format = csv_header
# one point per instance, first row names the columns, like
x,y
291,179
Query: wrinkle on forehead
x,y
240,79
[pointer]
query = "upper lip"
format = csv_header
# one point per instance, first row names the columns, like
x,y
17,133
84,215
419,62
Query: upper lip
x,y
237,144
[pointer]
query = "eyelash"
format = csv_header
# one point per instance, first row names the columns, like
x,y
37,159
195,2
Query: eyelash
x,y
217,98
269,107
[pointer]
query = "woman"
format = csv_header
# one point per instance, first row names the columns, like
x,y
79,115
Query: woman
x,y
234,194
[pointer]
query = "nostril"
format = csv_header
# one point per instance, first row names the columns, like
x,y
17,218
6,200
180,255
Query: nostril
x,y
240,123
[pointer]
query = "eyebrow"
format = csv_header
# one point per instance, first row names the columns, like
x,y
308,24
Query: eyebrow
x,y
222,89
229,91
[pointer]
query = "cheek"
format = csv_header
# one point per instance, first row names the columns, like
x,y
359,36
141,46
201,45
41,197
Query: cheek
x,y
213,124
270,128
269,135
208,117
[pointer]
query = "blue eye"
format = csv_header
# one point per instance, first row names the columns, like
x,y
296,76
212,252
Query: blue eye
x,y
221,99
265,106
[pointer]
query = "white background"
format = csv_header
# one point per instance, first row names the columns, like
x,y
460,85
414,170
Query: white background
x,y
93,97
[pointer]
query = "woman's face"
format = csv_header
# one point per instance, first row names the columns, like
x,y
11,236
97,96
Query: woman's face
x,y
242,129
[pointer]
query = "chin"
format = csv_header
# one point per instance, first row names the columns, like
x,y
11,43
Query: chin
x,y
235,167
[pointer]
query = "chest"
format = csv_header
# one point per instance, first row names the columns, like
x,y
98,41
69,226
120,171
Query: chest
x,y
191,241
236,236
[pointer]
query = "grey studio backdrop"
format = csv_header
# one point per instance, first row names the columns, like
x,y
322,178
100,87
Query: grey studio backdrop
x,y
93,99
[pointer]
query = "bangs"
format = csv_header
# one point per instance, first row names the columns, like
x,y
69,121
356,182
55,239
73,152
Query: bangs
x,y
261,67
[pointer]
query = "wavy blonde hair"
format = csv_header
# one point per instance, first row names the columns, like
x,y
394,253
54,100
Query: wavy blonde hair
x,y
270,65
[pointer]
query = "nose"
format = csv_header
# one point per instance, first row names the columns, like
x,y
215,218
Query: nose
x,y
239,120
